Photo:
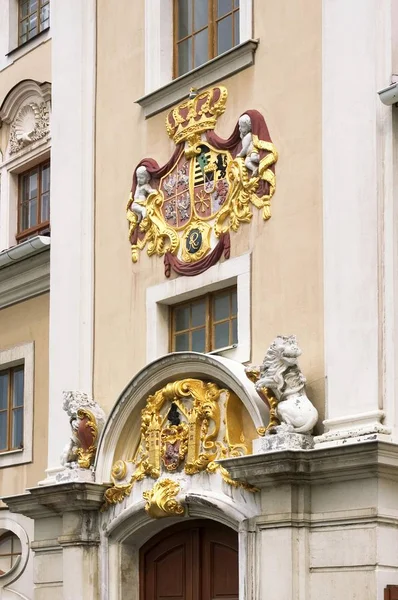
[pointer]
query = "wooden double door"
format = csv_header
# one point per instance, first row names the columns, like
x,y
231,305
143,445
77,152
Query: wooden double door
x,y
197,560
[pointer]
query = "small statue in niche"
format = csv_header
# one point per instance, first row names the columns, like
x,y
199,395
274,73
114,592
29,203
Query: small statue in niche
x,y
280,382
141,193
248,151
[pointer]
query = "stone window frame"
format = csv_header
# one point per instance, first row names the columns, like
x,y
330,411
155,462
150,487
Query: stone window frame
x,y
161,90
21,354
12,165
232,272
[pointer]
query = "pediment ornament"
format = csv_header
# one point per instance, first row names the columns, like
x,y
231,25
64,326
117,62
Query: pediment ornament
x,y
31,124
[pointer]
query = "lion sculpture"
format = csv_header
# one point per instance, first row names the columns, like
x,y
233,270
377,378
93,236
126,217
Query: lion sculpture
x,y
281,374
75,401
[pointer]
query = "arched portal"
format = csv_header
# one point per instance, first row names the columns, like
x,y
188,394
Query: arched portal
x,y
161,450
197,560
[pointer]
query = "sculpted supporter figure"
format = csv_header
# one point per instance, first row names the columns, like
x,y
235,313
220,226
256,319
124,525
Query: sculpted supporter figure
x,y
142,192
248,151
281,375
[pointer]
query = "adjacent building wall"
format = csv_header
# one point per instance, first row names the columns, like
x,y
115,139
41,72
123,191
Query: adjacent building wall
x,y
21,323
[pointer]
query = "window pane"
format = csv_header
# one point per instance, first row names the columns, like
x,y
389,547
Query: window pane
x,y
236,3
25,216
234,331
23,27
23,9
16,546
201,14
185,56
18,386
224,6
23,38
32,213
198,314
17,428
221,335
224,35
184,18
201,47
236,28
32,5
182,342
221,307
45,208
3,390
3,430
199,340
5,564
33,25
181,318
32,184
44,16
45,179
234,297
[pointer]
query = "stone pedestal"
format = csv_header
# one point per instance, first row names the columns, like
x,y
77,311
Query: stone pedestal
x,y
282,439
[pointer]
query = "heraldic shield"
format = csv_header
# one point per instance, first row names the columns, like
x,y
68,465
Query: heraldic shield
x,y
185,210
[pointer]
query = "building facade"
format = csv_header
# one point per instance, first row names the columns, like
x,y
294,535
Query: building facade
x,y
258,165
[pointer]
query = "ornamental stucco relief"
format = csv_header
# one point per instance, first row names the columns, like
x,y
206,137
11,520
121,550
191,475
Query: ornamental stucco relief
x,y
31,124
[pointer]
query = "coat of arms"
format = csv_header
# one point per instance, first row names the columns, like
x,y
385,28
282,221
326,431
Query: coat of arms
x,y
185,209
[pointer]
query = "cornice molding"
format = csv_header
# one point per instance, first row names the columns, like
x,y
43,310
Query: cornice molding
x,y
238,58
50,500
318,466
24,271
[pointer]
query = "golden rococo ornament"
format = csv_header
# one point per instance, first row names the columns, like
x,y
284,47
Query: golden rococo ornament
x,y
207,181
185,428
161,500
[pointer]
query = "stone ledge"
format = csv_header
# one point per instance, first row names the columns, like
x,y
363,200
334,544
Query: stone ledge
x,y
238,58
320,465
58,499
24,271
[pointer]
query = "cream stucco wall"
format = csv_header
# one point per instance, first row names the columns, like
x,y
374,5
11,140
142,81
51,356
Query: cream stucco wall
x,y
21,323
285,85
35,64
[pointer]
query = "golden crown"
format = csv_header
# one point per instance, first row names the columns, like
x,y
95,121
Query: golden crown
x,y
198,114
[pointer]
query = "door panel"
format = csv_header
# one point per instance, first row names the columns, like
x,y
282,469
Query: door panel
x,y
165,569
197,560
220,564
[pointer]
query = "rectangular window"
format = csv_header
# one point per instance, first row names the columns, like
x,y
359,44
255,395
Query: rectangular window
x,y
205,324
34,202
11,408
34,16
203,29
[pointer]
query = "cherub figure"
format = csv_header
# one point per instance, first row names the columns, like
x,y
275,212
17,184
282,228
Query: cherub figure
x,y
142,192
248,151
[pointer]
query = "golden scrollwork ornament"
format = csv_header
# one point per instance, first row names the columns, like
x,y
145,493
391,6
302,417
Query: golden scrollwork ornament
x,y
186,426
161,500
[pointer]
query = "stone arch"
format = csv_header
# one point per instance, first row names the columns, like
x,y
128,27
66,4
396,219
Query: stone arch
x,y
19,94
126,525
123,421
